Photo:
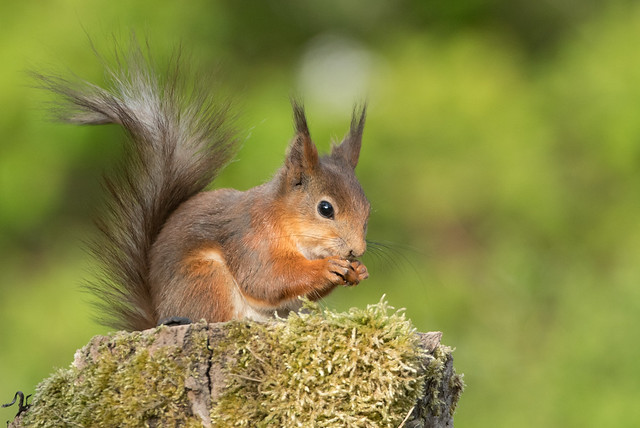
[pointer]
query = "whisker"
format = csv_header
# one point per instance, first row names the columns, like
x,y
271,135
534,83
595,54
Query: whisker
x,y
383,255
394,255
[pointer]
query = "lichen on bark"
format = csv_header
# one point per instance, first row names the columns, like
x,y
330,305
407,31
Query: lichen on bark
x,y
366,367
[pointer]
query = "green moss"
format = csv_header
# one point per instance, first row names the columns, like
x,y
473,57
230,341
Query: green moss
x,y
123,384
320,368
456,383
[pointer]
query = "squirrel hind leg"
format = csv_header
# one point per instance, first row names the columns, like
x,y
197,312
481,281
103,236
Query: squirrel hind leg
x,y
202,289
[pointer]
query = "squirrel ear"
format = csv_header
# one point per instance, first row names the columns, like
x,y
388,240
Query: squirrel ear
x,y
302,156
349,149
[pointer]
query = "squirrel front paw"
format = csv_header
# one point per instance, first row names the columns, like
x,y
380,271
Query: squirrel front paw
x,y
345,272
357,272
337,270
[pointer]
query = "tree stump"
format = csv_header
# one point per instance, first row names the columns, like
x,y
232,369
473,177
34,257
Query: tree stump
x,y
363,368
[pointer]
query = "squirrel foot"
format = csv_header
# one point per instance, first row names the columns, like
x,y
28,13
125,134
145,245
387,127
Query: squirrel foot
x,y
174,321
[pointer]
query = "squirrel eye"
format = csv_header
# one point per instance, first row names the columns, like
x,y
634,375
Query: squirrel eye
x,y
325,209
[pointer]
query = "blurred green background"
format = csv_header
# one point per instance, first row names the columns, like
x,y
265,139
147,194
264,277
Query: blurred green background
x,y
501,156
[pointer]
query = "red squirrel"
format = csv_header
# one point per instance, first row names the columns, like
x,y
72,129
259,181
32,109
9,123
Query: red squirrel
x,y
168,248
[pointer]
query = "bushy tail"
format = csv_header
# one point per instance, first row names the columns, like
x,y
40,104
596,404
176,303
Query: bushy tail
x,y
178,140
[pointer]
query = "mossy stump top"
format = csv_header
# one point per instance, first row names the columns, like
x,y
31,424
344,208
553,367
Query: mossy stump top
x,y
363,368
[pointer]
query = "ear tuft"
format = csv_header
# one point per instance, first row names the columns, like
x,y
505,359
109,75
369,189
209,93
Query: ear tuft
x,y
299,118
349,149
302,157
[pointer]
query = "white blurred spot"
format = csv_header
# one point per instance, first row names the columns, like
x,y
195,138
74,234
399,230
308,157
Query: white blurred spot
x,y
335,72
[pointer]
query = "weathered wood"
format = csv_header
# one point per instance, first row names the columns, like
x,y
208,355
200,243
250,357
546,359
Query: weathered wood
x,y
199,356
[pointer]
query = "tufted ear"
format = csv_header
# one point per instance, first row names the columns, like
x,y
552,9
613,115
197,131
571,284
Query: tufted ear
x,y
302,155
349,149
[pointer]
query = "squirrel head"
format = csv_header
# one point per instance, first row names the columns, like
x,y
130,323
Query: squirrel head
x,y
326,209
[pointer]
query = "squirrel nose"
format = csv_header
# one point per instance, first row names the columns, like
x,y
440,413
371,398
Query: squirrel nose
x,y
358,251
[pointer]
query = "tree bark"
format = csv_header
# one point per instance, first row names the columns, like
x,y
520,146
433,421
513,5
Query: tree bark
x,y
204,348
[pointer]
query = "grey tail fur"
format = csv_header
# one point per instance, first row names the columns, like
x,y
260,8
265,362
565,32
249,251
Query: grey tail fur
x,y
178,140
